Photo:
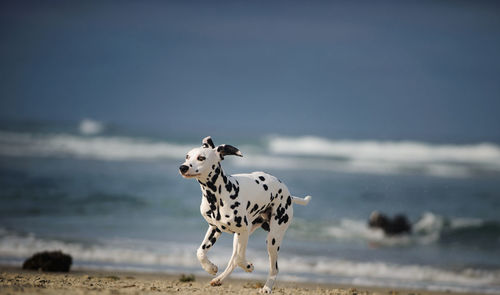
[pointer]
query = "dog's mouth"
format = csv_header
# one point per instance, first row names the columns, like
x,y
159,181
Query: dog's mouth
x,y
187,175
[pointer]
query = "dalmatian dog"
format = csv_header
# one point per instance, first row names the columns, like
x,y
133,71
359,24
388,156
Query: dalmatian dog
x,y
238,204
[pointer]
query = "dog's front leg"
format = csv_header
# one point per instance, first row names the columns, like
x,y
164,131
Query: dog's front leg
x,y
213,233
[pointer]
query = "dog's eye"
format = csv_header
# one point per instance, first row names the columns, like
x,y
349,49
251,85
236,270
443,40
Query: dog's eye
x,y
187,157
201,158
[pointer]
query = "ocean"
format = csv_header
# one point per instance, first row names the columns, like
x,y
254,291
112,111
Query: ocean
x,y
114,199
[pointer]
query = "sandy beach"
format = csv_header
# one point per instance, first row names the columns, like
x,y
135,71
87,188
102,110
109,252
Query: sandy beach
x,y
17,281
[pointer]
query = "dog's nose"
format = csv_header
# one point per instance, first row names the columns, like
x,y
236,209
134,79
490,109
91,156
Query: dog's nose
x,y
183,169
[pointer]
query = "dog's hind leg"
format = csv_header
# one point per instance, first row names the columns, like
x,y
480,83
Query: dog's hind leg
x,y
273,244
239,245
213,233
274,238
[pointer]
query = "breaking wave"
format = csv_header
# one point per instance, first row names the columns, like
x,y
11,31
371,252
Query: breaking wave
x,y
144,255
292,153
393,156
402,151
430,228
112,148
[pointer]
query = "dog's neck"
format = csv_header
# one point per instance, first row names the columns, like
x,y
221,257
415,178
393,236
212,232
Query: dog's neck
x,y
214,179
212,185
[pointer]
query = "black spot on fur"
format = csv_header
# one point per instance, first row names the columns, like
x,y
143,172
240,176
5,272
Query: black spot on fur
x,y
276,265
212,234
262,178
248,204
209,143
265,226
237,219
235,212
245,220
255,207
236,204
284,219
216,175
212,201
257,220
257,181
236,192
265,187
278,248
280,215
221,203
212,186
273,241
279,192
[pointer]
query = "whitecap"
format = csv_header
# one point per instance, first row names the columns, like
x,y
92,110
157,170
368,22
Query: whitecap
x,y
90,127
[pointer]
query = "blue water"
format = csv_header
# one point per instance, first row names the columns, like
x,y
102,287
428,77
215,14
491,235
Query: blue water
x,y
115,199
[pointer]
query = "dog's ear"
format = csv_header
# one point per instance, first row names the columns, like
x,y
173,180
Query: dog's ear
x,y
207,142
228,150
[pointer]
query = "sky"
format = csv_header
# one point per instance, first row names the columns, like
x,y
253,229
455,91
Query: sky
x,y
420,70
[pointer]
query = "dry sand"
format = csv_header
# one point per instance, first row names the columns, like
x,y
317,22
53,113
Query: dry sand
x,y
16,281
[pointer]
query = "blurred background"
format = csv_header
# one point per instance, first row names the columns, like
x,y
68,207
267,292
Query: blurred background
x,y
388,105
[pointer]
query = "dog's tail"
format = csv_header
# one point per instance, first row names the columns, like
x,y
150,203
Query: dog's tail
x,y
301,201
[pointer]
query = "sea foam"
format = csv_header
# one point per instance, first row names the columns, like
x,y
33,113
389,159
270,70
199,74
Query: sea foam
x,y
144,255
429,228
384,157
112,148
287,153
90,127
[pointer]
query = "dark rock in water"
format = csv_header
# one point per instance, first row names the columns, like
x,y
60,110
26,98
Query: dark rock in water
x,y
49,261
391,226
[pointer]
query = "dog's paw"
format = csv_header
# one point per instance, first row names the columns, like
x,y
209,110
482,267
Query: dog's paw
x,y
265,290
245,265
215,282
248,267
211,268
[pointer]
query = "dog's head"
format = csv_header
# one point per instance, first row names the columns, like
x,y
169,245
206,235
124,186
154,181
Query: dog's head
x,y
200,161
